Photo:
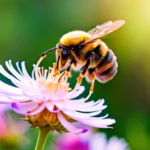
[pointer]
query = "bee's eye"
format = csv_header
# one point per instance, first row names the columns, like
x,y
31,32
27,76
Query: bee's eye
x,y
65,54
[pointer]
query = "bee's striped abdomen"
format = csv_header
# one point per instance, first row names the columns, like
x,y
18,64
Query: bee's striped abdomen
x,y
107,68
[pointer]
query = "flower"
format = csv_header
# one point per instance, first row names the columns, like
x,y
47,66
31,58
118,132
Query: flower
x,y
70,141
89,141
3,125
99,142
46,99
10,130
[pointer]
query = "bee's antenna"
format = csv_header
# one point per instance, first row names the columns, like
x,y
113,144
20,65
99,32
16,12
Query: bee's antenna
x,y
49,51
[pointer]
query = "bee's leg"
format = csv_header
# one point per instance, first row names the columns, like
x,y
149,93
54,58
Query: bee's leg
x,y
93,81
91,88
61,76
79,79
83,71
58,62
67,71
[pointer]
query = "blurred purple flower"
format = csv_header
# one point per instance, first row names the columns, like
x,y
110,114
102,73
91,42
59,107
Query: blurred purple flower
x,y
88,141
45,99
10,129
3,124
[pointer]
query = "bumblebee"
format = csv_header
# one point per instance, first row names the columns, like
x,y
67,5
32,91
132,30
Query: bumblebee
x,y
84,51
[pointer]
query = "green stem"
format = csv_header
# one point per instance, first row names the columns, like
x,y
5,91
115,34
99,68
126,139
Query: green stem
x,y
42,138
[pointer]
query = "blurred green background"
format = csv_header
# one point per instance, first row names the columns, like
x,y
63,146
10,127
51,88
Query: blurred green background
x,y
30,27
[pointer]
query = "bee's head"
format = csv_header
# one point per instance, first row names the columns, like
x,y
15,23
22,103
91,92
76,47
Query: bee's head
x,y
66,47
63,56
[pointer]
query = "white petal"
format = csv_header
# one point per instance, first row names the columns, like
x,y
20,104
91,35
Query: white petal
x,y
97,122
50,106
18,98
17,64
7,75
10,90
69,126
86,107
33,71
13,71
77,115
5,100
75,101
74,93
24,86
25,71
80,91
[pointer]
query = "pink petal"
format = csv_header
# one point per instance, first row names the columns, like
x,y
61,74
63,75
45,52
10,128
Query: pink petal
x,y
69,126
15,108
38,110
50,107
60,105
58,94
26,107
65,91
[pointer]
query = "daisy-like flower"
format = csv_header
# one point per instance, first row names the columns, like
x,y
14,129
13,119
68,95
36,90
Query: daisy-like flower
x,y
47,101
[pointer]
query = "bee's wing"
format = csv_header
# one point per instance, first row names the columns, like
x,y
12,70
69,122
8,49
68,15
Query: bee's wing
x,y
99,27
103,29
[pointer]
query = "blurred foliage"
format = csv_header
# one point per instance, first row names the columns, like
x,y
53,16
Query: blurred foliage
x,y
30,27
